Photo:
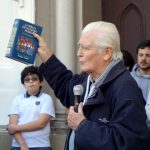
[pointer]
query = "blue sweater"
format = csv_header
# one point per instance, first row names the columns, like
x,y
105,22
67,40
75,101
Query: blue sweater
x,y
116,118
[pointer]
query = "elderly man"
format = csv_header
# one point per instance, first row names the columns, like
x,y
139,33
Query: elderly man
x,y
111,115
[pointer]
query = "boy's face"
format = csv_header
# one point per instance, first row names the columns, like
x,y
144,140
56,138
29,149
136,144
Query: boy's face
x,y
32,84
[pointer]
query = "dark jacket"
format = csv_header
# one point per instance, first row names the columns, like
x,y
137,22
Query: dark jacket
x,y
116,118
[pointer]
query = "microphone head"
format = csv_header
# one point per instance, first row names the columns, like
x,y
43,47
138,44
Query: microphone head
x,y
78,89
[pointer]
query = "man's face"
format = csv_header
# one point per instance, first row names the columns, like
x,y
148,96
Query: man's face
x,y
90,57
144,58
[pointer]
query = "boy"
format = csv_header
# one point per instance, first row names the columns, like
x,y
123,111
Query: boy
x,y
30,114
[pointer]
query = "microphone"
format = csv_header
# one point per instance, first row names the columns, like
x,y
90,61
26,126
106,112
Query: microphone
x,y
78,91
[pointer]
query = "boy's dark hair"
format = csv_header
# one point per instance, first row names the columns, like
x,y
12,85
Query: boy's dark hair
x,y
142,45
29,70
128,59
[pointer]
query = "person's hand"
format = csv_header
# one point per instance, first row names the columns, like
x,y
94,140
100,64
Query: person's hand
x,y
24,147
12,128
44,52
75,118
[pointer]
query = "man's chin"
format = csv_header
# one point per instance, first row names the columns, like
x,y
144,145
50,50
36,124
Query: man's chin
x,y
84,70
145,68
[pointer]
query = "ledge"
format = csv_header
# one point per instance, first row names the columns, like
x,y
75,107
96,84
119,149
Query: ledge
x,y
3,130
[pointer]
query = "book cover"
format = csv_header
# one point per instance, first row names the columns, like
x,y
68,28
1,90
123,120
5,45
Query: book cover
x,y
22,45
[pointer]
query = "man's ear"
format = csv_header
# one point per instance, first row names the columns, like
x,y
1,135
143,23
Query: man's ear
x,y
108,53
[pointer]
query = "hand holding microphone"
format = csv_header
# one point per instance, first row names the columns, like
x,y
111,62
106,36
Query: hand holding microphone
x,y
76,115
75,118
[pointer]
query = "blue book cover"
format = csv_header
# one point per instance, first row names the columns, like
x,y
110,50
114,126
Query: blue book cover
x,y
22,45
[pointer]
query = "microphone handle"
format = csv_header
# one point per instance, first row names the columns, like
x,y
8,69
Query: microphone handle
x,y
77,101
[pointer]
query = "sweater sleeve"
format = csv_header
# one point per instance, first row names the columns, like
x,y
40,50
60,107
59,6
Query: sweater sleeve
x,y
60,79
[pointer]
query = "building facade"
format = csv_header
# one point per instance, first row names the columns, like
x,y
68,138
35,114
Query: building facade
x,y
62,22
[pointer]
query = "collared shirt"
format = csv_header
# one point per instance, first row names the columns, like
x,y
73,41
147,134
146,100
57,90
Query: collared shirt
x,y
26,95
28,108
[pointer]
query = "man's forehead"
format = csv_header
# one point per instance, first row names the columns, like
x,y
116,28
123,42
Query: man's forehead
x,y
147,49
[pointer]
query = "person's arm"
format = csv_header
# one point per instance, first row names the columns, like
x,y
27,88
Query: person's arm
x,y
59,78
31,126
13,120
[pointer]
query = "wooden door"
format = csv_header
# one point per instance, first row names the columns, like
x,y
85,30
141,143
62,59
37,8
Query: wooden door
x,y
132,18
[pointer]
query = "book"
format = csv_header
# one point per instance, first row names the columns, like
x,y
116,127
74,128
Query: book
x,y
22,45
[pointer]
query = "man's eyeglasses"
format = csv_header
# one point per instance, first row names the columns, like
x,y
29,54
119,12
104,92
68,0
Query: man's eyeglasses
x,y
33,79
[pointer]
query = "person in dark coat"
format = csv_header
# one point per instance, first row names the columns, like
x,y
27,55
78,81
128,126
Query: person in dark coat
x,y
128,60
111,114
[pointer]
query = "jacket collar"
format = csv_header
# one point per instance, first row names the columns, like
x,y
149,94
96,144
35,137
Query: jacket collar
x,y
116,71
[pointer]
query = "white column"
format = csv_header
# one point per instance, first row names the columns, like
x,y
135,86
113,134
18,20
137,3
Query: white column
x,y
65,37
65,32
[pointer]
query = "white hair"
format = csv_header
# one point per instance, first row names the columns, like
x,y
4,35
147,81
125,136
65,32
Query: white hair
x,y
107,36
